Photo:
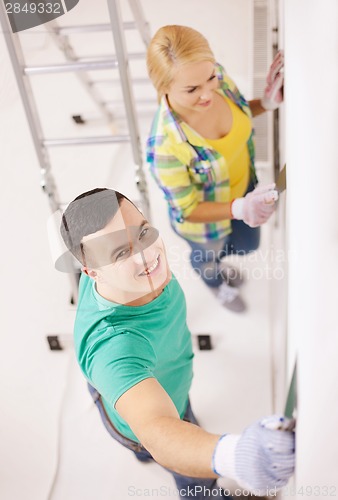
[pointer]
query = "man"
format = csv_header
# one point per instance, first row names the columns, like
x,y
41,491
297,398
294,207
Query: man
x,y
134,348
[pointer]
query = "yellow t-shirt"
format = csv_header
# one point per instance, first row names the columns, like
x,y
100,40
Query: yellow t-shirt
x,y
233,147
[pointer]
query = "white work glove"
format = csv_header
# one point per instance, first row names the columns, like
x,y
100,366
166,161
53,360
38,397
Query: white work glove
x,y
273,93
256,207
261,458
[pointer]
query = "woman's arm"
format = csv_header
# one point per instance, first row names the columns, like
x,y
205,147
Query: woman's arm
x,y
255,208
273,92
210,211
256,107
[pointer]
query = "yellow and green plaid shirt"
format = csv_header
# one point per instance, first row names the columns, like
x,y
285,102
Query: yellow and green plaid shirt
x,y
188,170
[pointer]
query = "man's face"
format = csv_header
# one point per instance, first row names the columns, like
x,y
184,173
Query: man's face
x,y
127,258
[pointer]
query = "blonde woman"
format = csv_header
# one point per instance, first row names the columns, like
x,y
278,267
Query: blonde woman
x,y
201,154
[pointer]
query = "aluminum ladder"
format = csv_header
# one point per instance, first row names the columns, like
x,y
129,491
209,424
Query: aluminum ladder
x,y
80,66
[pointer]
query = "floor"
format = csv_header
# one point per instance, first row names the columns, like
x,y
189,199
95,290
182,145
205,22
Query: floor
x,y
53,446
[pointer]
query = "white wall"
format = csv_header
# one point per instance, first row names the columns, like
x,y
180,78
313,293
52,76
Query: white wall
x,y
311,42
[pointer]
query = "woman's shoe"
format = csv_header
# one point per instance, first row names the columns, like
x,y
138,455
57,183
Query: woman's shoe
x,y
230,298
231,275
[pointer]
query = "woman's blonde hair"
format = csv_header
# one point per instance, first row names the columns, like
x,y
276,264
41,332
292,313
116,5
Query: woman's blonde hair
x,y
170,47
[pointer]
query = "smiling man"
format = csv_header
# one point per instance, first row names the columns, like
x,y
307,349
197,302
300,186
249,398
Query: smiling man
x,y
134,348
126,258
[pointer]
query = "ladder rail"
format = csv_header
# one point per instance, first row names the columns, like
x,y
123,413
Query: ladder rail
x,y
26,93
140,21
123,67
27,98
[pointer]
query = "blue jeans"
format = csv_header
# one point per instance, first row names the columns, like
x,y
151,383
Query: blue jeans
x,y
205,257
200,489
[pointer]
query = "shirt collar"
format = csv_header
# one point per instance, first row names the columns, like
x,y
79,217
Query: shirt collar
x,y
176,128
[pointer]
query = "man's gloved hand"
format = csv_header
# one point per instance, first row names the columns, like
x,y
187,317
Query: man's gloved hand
x,y
273,93
256,207
260,458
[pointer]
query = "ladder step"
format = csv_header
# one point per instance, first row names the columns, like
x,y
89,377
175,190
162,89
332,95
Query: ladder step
x,y
131,55
82,64
91,28
84,141
108,81
71,66
137,101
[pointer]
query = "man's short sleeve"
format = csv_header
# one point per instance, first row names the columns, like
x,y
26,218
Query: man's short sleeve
x,y
117,362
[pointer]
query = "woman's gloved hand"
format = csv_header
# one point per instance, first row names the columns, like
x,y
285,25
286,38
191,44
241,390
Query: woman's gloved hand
x,y
273,93
256,207
260,459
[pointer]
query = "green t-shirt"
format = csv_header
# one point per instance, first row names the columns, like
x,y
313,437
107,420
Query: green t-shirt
x,y
117,346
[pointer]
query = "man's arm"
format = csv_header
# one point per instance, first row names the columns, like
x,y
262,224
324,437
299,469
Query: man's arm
x,y
180,446
262,457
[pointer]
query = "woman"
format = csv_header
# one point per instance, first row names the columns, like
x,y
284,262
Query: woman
x,y
201,154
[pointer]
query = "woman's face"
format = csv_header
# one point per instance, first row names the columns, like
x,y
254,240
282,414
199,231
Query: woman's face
x,y
193,87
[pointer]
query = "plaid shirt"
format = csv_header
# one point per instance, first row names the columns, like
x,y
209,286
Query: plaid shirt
x,y
188,170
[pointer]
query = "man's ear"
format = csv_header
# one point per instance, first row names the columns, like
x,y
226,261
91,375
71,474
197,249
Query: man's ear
x,y
89,272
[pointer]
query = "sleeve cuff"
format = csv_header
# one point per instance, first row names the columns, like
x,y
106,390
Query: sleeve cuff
x,y
223,460
269,105
237,208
